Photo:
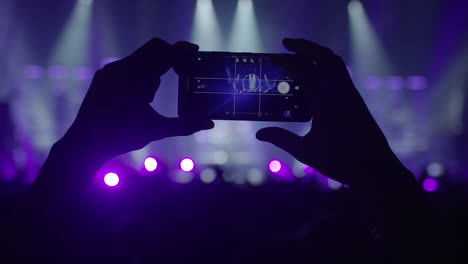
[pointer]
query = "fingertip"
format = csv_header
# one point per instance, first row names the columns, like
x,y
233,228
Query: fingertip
x,y
185,46
290,44
156,42
207,124
261,134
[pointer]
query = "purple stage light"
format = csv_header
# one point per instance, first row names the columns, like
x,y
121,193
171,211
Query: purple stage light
x,y
430,185
111,179
150,164
274,166
187,164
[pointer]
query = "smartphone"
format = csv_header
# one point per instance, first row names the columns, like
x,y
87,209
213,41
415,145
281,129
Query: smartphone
x,y
241,86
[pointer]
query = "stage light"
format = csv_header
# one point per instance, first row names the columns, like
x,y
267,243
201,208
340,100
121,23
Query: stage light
x,y
368,55
187,164
274,166
86,2
111,179
245,35
435,170
430,185
150,164
208,175
72,45
205,31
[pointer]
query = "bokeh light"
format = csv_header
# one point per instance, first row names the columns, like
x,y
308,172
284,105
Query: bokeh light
x,y
208,175
151,164
435,169
430,185
111,179
187,164
255,176
274,166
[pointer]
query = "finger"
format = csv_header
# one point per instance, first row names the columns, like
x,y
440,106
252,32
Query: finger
x,y
155,57
186,47
176,126
308,48
280,137
301,69
185,54
137,76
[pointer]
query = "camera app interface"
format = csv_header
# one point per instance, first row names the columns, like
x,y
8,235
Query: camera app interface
x,y
243,87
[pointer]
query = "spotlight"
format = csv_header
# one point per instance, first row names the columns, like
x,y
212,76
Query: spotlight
x,y
245,27
355,6
206,31
150,164
111,179
187,164
430,185
274,166
86,2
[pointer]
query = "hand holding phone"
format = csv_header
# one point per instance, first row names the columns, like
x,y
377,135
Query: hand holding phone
x,y
242,86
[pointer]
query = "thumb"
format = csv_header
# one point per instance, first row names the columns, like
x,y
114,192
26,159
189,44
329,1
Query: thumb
x,y
279,137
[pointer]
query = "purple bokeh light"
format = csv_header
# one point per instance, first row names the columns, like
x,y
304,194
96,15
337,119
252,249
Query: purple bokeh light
x,y
34,72
372,82
274,166
417,83
111,179
430,185
395,82
151,164
58,72
187,164
309,170
82,73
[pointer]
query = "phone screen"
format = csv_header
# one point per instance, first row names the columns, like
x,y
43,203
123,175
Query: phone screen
x,y
241,86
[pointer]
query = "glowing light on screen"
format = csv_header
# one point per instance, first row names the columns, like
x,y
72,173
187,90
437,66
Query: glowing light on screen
x,y
111,179
151,164
187,164
274,166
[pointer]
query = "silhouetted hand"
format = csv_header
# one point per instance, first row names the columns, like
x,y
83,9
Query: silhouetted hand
x,y
116,117
344,143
